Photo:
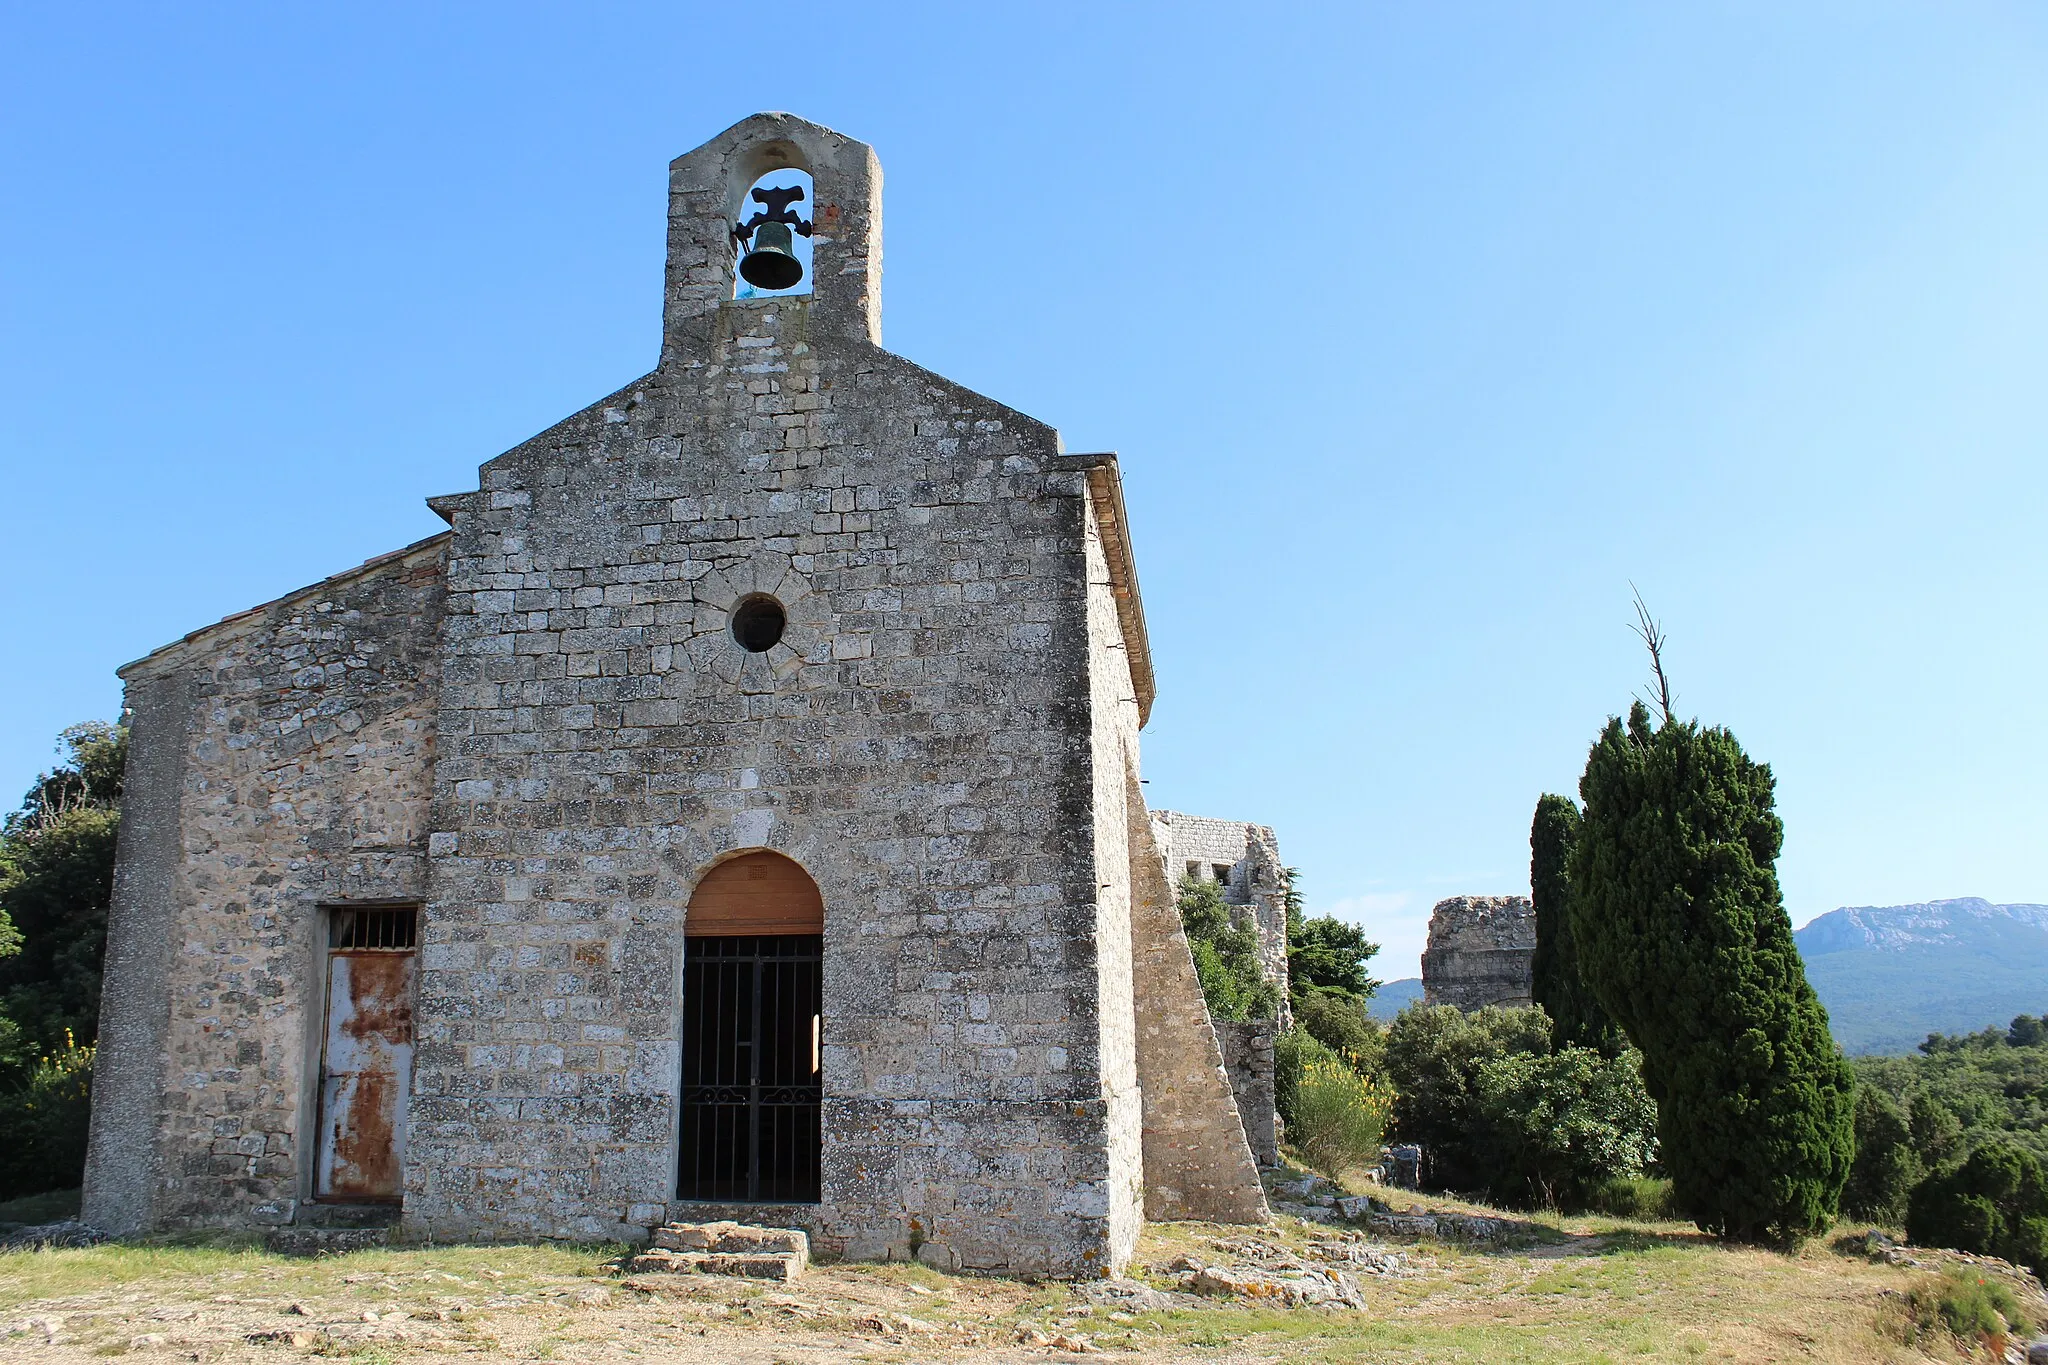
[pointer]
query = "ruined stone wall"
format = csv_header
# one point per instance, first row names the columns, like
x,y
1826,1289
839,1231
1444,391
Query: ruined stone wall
x,y
1248,1060
920,742
298,743
1197,845
1481,951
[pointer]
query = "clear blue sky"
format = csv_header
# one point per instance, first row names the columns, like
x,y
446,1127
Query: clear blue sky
x,y
1422,330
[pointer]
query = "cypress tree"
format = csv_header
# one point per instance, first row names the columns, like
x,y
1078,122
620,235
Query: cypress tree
x,y
1576,1018
1682,935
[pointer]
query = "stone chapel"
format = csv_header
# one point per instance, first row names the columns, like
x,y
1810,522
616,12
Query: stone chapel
x,y
734,813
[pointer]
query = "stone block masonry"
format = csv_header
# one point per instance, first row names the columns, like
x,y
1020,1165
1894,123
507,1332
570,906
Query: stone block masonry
x,y
542,730
282,763
1248,1059
1481,952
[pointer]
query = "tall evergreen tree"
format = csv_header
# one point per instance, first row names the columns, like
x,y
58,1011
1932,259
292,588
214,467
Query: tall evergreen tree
x,y
1682,934
1576,1018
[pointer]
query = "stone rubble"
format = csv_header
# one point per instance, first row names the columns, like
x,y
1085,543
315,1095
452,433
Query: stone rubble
x,y
68,1233
1258,1270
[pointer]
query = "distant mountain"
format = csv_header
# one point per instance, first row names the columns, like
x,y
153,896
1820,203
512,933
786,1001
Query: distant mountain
x,y
1394,996
1892,975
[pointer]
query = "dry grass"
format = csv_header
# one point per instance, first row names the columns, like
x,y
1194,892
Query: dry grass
x,y
1576,1290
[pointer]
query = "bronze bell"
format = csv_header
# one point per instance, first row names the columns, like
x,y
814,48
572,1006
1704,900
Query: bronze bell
x,y
771,263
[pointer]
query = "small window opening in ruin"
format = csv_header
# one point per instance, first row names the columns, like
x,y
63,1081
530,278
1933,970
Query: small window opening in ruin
x,y
772,237
757,623
1223,873
1194,872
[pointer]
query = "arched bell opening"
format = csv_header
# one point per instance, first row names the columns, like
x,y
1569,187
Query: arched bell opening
x,y
753,1030
772,236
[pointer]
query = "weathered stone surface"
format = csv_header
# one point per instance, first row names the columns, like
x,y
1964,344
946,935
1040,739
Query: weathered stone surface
x,y
1308,1285
1480,952
309,1241
283,765
540,729
1248,1060
68,1233
786,1266
731,1238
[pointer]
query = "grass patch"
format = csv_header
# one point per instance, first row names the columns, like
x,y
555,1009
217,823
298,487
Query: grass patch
x,y
187,1265
1967,1306
1595,1289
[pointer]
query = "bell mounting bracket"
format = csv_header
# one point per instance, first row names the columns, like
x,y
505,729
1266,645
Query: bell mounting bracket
x,y
778,210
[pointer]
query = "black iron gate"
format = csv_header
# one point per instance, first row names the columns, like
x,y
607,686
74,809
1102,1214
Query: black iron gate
x,y
751,1008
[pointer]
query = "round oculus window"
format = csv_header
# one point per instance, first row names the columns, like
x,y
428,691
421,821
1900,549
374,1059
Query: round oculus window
x,y
757,623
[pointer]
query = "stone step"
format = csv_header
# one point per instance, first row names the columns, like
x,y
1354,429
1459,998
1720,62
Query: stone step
x,y
318,1215
786,1267
725,1248
305,1241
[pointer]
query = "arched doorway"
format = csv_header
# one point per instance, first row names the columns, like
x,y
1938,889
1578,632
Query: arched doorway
x,y
752,1016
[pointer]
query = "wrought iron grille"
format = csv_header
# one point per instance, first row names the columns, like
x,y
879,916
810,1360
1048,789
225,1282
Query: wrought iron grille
x,y
751,1009
379,927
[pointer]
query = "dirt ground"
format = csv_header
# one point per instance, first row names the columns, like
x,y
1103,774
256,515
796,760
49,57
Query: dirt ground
x,y
1578,1290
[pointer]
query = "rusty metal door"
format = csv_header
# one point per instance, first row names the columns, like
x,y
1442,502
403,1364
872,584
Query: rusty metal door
x,y
366,1055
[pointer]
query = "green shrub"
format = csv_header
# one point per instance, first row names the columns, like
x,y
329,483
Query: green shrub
x,y
1226,956
1994,1204
1433,1056
1644,1197
1326,954
1554,1129
1967,1305
1498,1111
1341,1024
43,1125
1288,1056
1339,1115
56,877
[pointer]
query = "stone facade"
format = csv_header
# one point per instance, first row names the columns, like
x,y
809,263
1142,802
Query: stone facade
x,y
1481,951
541,729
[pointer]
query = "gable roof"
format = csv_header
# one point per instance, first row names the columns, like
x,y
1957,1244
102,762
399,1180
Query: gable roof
x,y
183,648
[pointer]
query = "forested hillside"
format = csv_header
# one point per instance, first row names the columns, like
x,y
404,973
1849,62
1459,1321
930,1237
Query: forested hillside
x,y
1891,975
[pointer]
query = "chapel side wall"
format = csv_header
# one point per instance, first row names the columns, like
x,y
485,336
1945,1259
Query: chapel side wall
x,y
1114,757
919,743
124,1160
303,768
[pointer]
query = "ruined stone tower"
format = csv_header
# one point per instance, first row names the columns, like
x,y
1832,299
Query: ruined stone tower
x,y
735,811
